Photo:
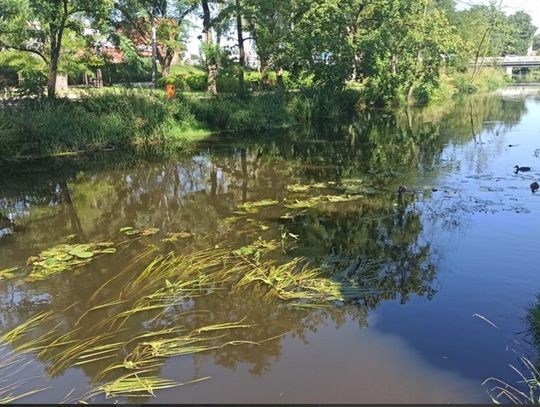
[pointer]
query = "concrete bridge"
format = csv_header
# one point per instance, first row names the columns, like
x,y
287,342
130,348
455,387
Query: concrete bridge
x,y
511,62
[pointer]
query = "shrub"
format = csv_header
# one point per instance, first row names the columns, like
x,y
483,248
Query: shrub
x,y
197,82
227,84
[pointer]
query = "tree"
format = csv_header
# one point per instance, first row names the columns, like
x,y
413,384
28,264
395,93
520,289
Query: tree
x,y
536,42
136,18
210,50
522,33
39,27
269,23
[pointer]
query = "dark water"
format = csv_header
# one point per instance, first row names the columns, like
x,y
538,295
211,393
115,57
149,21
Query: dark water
x,y
461,240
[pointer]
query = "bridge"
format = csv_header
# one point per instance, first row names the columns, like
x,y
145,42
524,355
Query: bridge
x,y
511,62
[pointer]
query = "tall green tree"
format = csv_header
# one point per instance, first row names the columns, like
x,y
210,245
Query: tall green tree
x,y
136,18
522,34
39,27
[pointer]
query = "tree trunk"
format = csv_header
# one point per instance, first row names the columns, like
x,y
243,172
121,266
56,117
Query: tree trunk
x,y
410,94
241,50
264,72
53,69
165,61
99,78
211,62
279,79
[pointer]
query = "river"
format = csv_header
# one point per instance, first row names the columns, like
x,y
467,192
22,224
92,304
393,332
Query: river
x,y
418,218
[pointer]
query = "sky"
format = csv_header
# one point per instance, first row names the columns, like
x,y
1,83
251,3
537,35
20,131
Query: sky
x,y
510,7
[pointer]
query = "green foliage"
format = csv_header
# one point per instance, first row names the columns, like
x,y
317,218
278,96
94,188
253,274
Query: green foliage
x,y
100,121
197,82
227,84
234,114
522,33
128,117
43,27
66,257
28,68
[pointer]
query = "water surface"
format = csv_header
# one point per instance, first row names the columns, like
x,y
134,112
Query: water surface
x,y
460,240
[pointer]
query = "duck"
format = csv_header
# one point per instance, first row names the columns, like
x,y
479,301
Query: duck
x,y
534,187
517,169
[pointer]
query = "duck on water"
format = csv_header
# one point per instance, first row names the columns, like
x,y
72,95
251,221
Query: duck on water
x,y
517,169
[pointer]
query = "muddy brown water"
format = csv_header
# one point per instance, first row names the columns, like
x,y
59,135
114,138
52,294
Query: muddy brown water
x,y
461,240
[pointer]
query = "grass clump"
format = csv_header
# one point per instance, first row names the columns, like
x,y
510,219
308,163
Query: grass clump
x,y
135,385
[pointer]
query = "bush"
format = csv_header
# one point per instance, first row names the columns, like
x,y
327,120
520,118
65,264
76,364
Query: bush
x,y
8,77
178,81
128,72
197,82
227,84
28,72
252,113
109,119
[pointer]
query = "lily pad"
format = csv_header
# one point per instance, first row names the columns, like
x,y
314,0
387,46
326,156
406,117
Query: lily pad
x,y
130,231
82,254
65,257
251,207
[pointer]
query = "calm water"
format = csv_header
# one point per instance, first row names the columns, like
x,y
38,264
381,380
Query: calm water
x,y
462,240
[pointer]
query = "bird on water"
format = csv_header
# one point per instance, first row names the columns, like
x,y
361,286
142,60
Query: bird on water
x,y
517,169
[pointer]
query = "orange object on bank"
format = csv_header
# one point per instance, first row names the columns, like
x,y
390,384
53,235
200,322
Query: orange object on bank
x,y
171,89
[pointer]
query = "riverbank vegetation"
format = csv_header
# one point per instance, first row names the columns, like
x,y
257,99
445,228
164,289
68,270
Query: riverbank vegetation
x,y
127,118
310,60
388,51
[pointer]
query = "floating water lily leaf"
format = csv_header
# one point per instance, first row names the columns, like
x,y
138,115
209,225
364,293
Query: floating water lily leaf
x,y
129,231
150,231
251,207
244,251
175,236
313,201
80,253
298,188
65,257
305,188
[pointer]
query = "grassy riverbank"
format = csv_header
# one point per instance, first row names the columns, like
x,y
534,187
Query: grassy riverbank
x,y
121,118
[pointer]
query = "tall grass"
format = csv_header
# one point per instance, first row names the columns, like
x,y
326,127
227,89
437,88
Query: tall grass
x,y
121,118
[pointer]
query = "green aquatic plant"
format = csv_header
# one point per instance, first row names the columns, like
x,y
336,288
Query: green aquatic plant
x,y
529,393
253,207
317,200
7,396
8,273
65,257
298,188
130,231
296,282
28,325
137,384
176,236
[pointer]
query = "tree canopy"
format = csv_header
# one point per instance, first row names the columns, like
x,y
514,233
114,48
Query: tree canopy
x,y
390,48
